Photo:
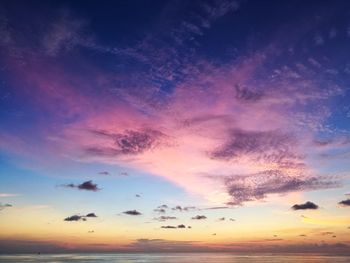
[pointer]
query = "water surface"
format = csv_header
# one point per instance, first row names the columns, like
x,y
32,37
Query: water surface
x,y
174,258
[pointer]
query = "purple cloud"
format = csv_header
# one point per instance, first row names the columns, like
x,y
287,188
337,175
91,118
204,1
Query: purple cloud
x,y
268,146
130,142
250,187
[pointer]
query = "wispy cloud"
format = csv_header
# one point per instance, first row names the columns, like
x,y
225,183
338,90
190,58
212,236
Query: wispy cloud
x,y
8,195
251,187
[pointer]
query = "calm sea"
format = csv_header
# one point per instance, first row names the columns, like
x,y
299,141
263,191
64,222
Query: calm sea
x,y
173,258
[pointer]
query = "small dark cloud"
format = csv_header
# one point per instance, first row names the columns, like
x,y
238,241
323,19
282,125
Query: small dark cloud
x,y
217,207
164,218
124,174
189,227
303,235
345,202
232,219
104,173
307,205
199,217
137,195
185,208
221,219
3,206
88,185
132,213
159,210
91,215
177,208
75,218
214,234
91,231
79,217
169,227
174,227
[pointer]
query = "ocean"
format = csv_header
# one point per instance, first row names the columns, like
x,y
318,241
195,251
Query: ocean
x,y
174,258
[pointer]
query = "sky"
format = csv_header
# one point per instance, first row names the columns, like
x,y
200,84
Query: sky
x,y
152,126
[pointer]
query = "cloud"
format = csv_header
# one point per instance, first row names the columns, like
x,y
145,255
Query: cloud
x,y
268,146
174,227
7,195
132,213
199,217
79,217
75,218
91,215
160,210
130,142
345,202
164,218
104,173
137,195
217,207
64,34
221,219
250,187
326,233
307,205
3,206
247,115
88,185
185,208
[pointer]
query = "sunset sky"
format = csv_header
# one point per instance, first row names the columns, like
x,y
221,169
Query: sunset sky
x,y
144,126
